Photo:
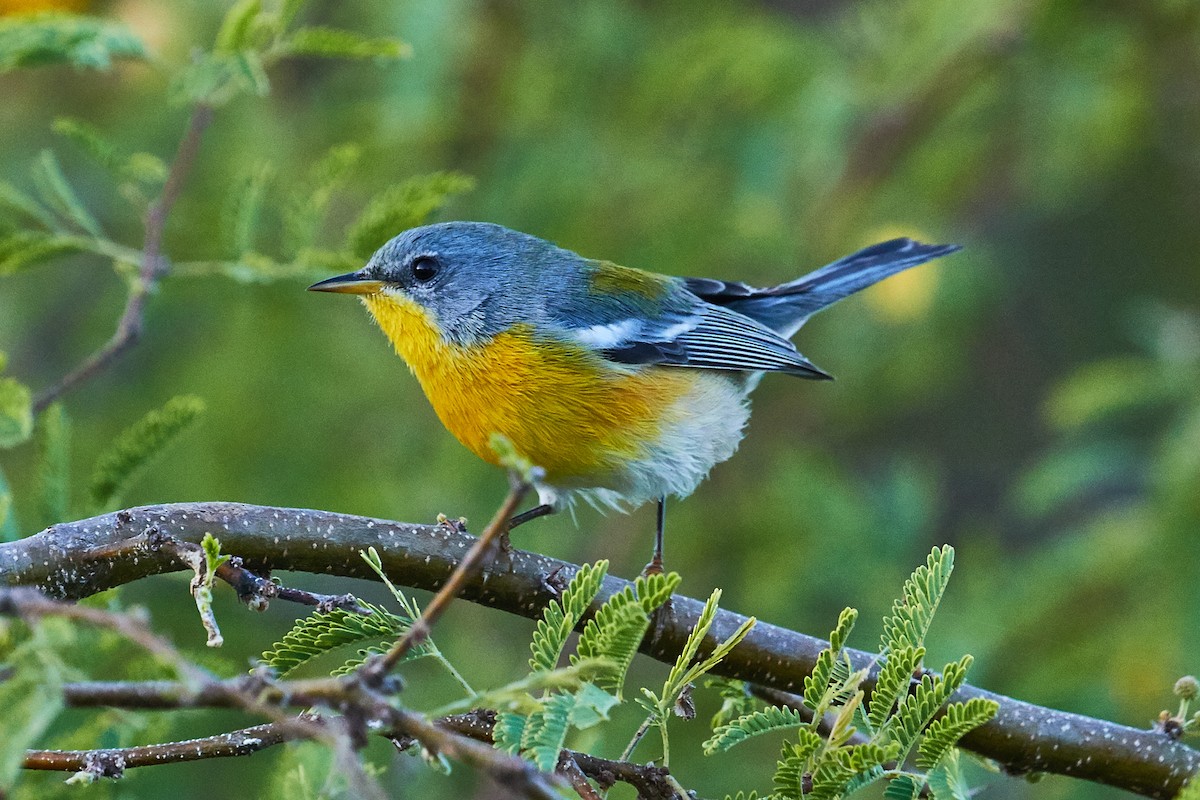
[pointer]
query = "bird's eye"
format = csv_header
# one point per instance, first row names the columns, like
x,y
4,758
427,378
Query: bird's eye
x,y
424,268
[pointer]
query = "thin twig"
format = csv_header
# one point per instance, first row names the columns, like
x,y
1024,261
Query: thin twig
x,y
129,326
112,763
467,567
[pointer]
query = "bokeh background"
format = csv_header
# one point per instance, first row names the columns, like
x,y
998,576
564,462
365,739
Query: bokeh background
x,y
1033,400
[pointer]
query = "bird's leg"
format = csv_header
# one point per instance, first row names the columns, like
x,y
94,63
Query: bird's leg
x,y
655,567
520,519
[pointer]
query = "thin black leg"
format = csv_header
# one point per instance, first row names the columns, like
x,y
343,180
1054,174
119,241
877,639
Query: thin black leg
x,y
655,567
533,513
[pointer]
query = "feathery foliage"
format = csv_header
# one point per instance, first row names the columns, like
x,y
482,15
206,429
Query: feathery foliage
x,y
52,38
138,445
756,723
913,611
53,429
617,629
562,615
320,633
861,743
943,733
402,207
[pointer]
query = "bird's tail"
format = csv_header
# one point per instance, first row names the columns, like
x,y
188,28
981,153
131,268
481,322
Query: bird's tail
x,y
786,307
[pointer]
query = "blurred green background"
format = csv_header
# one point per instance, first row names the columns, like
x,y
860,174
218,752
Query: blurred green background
x,y
1034,400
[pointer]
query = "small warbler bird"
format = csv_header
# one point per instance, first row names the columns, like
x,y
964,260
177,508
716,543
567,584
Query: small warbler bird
x,y
623,385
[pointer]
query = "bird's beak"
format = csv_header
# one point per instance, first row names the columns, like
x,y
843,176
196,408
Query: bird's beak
x,y
350,283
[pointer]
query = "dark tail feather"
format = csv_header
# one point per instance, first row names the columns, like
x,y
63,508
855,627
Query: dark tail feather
x,y
787,306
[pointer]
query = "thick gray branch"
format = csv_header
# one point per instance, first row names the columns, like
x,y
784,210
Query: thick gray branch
x,y
81,558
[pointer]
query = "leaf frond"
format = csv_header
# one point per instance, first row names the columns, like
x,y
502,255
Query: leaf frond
x,y
756,723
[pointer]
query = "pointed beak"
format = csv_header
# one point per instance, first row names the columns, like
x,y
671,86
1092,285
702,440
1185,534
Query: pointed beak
x,y
350,283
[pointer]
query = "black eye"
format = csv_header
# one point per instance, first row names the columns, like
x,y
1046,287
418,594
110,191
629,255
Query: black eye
x,y
424,268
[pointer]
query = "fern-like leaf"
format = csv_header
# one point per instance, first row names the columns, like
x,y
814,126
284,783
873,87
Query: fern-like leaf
x,y
546,730
405,206
918,708
38,39
913,611
756,723
57,192
562,615
614,634
736,701
654,590
29,248
508,731
339,43
943,733
817,683
795,765
321,633
54,463
138,444
893,681
901,787
838,767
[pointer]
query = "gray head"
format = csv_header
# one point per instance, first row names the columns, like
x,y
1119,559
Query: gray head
x,y
475,278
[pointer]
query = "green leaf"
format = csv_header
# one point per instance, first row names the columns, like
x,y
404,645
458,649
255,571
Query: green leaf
x,y
52,38
338,43
20,204
818,682
53,464
16,412
244,206
236,27
943,733
948,783
508,731
756,723
324,632
217,78
402,207
901,787
616,630
10,531
592,705
736,700
141,167
913,611
28,248
562,615
894,678
795,763
138,444
918,708
56,192
31,695
304,214
655,590
546,730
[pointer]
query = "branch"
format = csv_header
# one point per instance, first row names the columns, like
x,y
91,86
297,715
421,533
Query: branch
x,y
81,558
129,326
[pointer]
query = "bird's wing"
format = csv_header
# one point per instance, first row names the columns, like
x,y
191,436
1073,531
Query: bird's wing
x,y
686,331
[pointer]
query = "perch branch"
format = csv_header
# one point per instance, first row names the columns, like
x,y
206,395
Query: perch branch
x,y
81,558
129,326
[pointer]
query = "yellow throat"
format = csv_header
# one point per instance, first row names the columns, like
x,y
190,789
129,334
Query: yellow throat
x,y
558,404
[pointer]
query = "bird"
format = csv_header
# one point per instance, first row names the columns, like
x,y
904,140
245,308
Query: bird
x,y
623,385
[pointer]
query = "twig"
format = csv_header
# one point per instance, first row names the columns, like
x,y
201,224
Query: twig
x,y
112,763
568,767
467,567
81,558
129,326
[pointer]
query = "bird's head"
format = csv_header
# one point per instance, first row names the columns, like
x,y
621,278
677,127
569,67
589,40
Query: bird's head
x,y
471,279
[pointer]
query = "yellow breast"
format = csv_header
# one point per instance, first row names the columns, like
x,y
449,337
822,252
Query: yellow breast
x,y
558,406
